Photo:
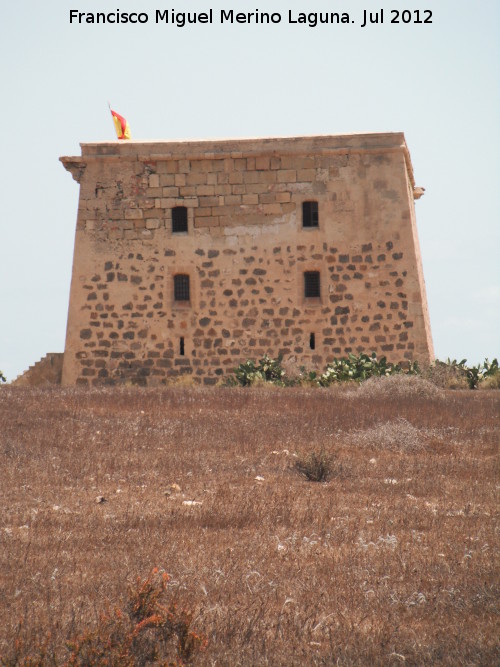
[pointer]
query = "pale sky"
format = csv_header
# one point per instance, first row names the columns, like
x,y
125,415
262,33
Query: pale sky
x,y
438,83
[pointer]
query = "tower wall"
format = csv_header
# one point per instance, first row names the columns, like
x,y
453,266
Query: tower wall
x,y
245,251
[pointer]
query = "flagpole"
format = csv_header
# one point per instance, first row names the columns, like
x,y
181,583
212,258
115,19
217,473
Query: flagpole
x,y
112,119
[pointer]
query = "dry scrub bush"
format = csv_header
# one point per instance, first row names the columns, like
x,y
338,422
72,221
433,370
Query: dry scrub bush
x,y
491,382
446,376
148,630
276,570
399,386
398,435
317,466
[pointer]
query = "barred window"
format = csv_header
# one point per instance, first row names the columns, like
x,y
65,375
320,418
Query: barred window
x,y
181,287
310,214
311,284
179,219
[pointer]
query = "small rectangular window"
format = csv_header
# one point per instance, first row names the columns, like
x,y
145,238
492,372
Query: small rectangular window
x,y
312,341
181,346
179,219
311,284
310,214
181,287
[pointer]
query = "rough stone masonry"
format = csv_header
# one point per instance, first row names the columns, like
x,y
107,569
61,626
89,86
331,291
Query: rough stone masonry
x,y
193,256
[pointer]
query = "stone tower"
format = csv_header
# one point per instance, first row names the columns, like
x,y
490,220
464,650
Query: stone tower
x,y
192,256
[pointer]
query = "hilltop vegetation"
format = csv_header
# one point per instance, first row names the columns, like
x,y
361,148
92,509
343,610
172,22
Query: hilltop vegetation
x,y
392,560
449,374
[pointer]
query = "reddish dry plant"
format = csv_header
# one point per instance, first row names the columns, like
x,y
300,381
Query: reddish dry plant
x,y
146,632
394,561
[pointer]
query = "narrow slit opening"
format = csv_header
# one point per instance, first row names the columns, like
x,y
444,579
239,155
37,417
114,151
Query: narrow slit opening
x,y
181,346
312,341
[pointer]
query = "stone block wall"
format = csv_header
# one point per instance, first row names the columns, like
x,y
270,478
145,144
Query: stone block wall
x,y
246,252
45,372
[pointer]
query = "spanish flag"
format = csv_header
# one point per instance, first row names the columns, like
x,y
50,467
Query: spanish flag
x,y
121,125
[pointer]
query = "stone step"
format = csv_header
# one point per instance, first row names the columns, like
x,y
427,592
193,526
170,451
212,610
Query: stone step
x,y
46,371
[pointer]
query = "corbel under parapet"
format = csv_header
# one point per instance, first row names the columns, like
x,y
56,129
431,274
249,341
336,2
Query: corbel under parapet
x,y
75,165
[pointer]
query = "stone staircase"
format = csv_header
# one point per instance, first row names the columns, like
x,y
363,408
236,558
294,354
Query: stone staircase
x,y
45,372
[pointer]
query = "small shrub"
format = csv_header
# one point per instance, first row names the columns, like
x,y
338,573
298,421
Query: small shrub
x,y
149,630
2,377
453,374
491,375
297,375
399,386
316,466
265,370
473,375
490,369
396,436
361,368
491,382
447,374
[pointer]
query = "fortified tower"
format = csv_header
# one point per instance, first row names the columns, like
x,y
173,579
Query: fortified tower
x,y
192,256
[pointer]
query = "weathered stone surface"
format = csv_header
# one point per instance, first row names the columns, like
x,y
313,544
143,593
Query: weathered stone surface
x,y
246,252
47,371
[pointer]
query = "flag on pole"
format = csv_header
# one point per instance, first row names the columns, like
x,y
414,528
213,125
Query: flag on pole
x,y
121,125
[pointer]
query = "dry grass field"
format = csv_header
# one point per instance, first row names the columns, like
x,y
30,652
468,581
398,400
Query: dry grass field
x,y
392,561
